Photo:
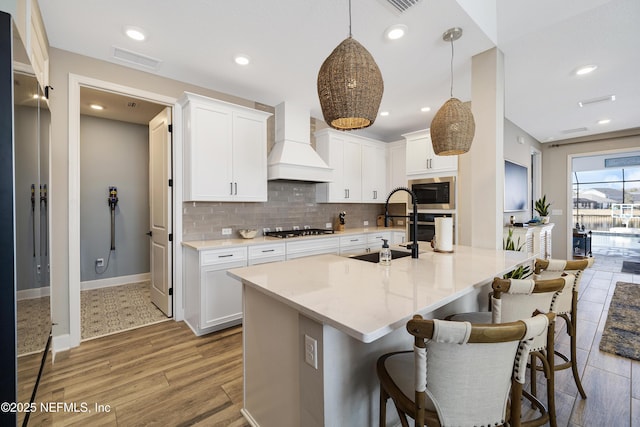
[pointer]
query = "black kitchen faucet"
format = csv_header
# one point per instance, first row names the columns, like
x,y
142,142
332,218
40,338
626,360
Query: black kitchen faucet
x,y
413,217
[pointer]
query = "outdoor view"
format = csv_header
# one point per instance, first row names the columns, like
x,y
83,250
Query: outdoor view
x,y
606,211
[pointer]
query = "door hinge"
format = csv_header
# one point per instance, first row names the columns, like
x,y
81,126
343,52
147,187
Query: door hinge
x,y
170,291
170,183
170,127
171,237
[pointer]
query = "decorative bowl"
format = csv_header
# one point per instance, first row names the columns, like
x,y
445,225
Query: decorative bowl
x,y
248,233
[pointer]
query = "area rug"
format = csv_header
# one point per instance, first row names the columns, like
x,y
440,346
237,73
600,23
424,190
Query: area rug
x,y
631,267
621,333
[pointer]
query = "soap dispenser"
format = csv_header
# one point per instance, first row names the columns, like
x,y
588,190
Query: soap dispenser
x,y
385,253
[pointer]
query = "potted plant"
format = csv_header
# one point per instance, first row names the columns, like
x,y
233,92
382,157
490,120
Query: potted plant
x,y
542,207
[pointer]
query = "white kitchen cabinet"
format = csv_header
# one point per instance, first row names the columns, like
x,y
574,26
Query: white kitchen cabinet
x,y
374,240
397,171
213,300
315,246
359,168
535,239
353,244
398,237
268,252
421,159
374,179
225,151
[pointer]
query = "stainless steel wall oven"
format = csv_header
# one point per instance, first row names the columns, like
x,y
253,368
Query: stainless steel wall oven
x,y
427,225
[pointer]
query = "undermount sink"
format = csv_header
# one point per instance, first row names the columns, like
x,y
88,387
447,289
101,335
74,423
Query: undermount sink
x,y
375,256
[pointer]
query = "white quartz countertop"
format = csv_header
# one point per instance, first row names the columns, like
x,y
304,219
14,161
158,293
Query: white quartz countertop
x,y
366,300
201,245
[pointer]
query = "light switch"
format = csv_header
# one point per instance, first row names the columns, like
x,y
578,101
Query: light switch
x,y
556,212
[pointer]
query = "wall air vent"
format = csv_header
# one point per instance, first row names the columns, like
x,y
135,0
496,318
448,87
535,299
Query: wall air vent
x,y
402,5
136,58
596,100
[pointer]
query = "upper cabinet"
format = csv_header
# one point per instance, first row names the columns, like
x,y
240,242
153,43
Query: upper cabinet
x,y
359,168
225,151
421,160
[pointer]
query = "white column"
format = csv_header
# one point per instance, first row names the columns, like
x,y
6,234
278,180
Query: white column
x,y
481,170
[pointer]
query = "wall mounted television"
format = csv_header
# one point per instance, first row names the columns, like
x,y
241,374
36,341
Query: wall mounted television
x,y
516,187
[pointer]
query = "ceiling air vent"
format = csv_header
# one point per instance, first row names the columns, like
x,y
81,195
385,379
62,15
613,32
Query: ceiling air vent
x,y
402,5
135,58
567,131
597,100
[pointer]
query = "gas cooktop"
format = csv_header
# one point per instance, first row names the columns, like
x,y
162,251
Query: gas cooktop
x,y
285,234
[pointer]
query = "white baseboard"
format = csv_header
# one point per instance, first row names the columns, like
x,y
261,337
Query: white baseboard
x,y
33,293
114,281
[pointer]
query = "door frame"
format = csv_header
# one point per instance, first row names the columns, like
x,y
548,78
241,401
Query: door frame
x,y
75,83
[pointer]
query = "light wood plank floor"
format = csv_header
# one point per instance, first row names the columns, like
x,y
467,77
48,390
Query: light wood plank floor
x,y
163,375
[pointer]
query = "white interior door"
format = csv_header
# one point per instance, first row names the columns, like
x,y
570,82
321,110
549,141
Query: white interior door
x,y
160,197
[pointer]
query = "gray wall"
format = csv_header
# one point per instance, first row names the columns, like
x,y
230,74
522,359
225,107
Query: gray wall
x,y
116,154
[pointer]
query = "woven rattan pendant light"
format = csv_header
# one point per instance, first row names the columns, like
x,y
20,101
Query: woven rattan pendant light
x,y
350,86
453,126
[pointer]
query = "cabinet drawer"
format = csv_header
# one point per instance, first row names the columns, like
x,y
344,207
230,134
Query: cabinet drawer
x,y
353,240
312,246
271,250
222,256
377,237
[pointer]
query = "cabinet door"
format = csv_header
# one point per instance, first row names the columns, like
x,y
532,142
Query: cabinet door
x,y
352,170
417,155
331,150
374,171
422,160
221,297
249,158
209,139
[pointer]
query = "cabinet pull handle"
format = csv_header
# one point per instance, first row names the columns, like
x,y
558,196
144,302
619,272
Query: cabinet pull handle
x,y
375,194
225,256
354,240
231,188
345,193
236,188
268,250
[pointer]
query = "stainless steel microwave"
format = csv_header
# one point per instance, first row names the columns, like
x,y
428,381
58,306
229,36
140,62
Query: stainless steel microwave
x,y
435,193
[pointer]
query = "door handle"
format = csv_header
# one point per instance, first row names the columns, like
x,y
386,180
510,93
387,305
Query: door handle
x,y
149,233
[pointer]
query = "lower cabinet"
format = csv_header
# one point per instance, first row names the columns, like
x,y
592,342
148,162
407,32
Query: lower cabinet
x,y
213,300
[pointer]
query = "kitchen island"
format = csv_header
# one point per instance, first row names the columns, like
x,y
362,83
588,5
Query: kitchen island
x,y
314,327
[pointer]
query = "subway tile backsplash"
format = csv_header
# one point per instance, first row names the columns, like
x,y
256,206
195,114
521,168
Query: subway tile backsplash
x,y
290,203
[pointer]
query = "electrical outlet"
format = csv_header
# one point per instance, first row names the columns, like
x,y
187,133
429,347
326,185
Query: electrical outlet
x,y
311,351
100,262
307,227
278,228
400,222
226,231
296,227
365,223
327,225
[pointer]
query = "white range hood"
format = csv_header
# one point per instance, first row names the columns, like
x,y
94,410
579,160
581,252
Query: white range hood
x,y
292,156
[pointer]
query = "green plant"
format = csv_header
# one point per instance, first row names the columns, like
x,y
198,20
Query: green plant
x,y
542,206
509,245
521,272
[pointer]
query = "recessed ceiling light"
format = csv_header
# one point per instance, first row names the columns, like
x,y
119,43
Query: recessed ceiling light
x,y
135,33
425,109
384,113
604,121
242,59
586,69
395,32
96,107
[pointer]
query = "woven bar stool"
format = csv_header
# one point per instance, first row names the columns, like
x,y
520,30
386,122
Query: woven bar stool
x,y
566,307
460,374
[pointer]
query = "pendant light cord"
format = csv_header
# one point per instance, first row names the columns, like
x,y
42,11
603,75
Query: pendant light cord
x,y
451,90
349,18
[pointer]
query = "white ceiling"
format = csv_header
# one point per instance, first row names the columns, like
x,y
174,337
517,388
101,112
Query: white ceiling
x,y
543,42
